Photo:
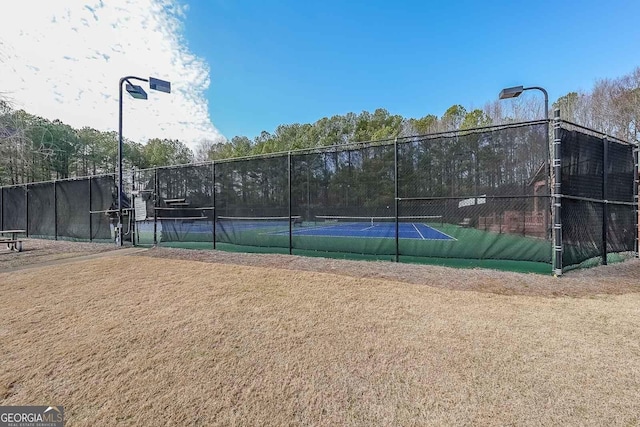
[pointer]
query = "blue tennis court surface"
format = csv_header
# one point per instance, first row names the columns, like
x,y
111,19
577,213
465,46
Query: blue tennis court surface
x,y
365,229
381,230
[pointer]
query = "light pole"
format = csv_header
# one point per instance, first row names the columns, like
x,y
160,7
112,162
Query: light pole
x,y
514,92
138,93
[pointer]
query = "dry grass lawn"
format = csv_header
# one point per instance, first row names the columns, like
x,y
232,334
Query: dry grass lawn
x,y
41,251
151,341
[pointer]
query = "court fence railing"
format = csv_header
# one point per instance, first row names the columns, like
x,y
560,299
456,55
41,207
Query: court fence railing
x,y
507,194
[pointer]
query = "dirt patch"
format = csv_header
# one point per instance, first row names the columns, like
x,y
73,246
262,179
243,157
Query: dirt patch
x,y
620,278
148,341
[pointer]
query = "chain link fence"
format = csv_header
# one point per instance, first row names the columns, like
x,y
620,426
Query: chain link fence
x,y
599,203
470,197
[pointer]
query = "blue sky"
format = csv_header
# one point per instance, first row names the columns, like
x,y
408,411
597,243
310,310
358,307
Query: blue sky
x,y
63,60
239,67
277,62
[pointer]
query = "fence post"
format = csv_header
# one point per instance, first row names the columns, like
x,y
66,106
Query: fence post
x,y
636,190
55,209
397,202
214,216
26,208
290,204
1,208
132,208
90,209
155,205
548,212
557,195
605,203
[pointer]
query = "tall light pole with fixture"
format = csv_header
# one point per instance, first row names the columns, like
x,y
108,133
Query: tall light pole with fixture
x,y
136,92
514,92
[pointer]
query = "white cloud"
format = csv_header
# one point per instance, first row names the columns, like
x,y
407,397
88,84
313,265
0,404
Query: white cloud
x,y
62,59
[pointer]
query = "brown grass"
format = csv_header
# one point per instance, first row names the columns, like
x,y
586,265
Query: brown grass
x,y
617,279
149,341
40,251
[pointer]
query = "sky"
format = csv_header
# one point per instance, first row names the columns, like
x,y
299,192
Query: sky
x,y
241,67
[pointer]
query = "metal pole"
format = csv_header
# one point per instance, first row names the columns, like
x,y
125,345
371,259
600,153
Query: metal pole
x,y
547,169
26,208
547,139
155,205
132,213
55,210
290,204
395,192
119,231
636,190
213,173
557,195
605,205
90,217
308,190
546,99
549,232
476,178
122,80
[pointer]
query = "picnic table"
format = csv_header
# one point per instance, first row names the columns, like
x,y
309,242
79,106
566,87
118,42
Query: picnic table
x,y
10,237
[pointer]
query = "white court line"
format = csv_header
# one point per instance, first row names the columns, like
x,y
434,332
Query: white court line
x,y
368,228
441,232
321,227
414,226
316,227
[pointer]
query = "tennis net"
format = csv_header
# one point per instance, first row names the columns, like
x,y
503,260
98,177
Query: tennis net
x,y
374,221
258,222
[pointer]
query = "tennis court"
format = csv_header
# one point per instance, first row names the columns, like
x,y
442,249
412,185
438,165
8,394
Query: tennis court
x,y
372,227
421,239
325,226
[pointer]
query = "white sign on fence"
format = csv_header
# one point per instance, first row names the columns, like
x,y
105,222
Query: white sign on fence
x,y
480,200
140,207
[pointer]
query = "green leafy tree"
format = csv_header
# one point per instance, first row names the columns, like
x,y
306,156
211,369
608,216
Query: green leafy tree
x,y
241,146
221,150
379,125
425,125
475,119
163,152
453,117
97,151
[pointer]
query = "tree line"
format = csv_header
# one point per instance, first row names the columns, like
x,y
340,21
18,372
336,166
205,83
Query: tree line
x,y
33,148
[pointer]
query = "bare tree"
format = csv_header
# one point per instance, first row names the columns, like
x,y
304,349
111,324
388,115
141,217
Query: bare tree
x,y
13,145
203,150
612,106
